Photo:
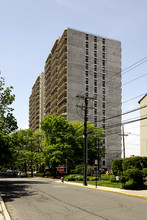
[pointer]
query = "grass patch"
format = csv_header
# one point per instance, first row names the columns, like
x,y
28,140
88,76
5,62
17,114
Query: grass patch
x,y
106,183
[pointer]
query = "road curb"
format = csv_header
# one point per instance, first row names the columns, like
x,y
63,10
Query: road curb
x,y
4,215
102,189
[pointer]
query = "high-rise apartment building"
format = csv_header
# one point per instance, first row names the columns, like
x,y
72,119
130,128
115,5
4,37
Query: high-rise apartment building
x,y
36,103
143,126
81,64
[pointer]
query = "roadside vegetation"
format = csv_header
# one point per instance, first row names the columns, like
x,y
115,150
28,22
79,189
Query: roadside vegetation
x,y
59,143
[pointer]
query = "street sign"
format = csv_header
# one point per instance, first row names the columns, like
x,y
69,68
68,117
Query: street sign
x,y
61,170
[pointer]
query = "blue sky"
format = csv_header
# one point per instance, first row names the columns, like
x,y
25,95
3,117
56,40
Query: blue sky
x,y
28,29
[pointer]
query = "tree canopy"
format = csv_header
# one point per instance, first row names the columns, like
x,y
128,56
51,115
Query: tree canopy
x,y
8,122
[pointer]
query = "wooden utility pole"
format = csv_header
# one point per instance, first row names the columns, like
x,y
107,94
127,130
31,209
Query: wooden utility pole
x,y
85,107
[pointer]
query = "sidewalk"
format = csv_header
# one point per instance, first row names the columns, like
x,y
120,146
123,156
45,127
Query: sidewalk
x,y
135,193
4,215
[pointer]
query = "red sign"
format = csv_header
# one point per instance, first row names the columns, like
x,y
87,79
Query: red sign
x,y
61,170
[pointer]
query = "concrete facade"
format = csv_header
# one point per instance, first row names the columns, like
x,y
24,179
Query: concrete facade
x,y
82,64
36,103
143,126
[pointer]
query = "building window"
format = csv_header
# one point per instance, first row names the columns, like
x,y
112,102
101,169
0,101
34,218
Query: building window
x,y
103,76
103,48
95,75
86,51
103,91
95,103
86,66
104,126
104,56
95,118
95,82
86,80
103,83
95,111
95,39
95,53
86,37
86,73
103,104
103,112
104,120
95,96
103,162
95,60
86,94
95,46
86,88
103,98
103,62
86,44
103,40
95,89
95,67
86,59
103,69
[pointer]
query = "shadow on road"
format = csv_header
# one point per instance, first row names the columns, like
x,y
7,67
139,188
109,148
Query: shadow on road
x,y
13,189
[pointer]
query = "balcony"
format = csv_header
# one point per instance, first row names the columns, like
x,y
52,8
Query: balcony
x,y
54,84
62,88
54,110
62,109
62,95
62,80
54,103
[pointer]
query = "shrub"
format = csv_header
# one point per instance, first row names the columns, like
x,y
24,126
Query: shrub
x,y
92,178
132,162
73,177
90,170
134,176
105,177
108,172
144,172
40,174
79,169
117,167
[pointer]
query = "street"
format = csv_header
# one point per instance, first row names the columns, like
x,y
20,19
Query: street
x,y
43,199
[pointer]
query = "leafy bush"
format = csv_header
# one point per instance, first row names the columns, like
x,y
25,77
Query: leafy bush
x,y
117,166
132,178
113,178
144,172
132,162
108,172
73,177
105,177
92,178
40,174
79,169
90,170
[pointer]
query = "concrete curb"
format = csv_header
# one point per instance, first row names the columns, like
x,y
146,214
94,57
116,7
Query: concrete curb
x,y
4,215
107,189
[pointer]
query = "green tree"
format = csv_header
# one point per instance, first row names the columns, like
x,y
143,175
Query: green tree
x,y
8,122
59,141
95,145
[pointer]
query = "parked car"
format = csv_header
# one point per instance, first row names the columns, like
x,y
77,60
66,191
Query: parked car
x,y
21,174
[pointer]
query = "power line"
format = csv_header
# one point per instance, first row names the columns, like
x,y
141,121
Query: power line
x,y
124,123
134,64
135,79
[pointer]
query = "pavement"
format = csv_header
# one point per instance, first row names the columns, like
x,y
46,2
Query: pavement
x,y
135,193
4,215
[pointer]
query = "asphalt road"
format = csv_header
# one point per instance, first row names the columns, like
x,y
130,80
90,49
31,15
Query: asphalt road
x,y
28,199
